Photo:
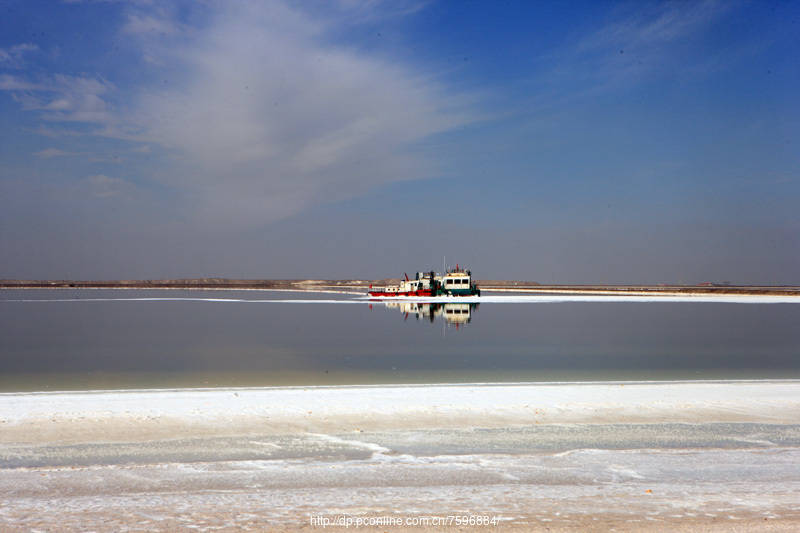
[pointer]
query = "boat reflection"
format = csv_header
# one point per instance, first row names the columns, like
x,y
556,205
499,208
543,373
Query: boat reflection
x,y
456,314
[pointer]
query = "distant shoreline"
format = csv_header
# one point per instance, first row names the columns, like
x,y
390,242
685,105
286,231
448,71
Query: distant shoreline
x,y
312,285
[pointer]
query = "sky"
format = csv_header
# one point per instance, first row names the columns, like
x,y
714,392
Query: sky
x,y
556,142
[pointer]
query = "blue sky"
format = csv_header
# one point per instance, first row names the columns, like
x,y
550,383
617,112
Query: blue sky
x,y
592,142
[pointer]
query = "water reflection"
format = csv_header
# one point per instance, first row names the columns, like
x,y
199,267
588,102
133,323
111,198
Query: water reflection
x,y
456,314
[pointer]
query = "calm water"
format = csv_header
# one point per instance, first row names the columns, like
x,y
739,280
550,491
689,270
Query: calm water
x,y
81,343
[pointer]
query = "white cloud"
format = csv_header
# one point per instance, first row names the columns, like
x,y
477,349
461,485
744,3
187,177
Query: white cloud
x,y
15,83
63,98
79,99
13,57
54,133
49,153
360,11
268,117
656,25
263,115
640,42
654,39
138,23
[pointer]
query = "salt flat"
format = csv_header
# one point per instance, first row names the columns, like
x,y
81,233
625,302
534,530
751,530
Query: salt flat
x,y
66,416
563,456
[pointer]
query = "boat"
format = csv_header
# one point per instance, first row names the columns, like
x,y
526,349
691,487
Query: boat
x,y
454,282
458,282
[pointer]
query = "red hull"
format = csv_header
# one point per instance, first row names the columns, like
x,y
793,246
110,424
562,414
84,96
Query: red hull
x,y
426,292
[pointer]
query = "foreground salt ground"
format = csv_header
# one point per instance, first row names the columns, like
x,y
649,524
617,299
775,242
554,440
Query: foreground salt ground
x,y
570,456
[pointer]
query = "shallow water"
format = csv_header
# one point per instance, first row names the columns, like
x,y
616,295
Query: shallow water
x,y
108,339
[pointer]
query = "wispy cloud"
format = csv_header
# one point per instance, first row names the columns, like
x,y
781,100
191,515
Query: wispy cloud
x,y
56,132
652,41
17,83
49,153
269,117
145,24
13,57
263,115
360,11
62,98
655,25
